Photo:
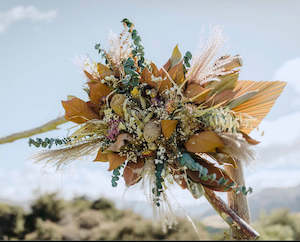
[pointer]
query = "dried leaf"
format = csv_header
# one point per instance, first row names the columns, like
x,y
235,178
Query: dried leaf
x,y
78,111
155,70
176,73
165,83
102,157
132,172
95,108
115,160
174,60
206,141
249,139
146,78
167,66
89,76
98,91
168,127
116,146
210,183
116,104
176,56
103,71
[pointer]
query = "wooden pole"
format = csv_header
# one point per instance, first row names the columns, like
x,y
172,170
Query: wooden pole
x,y
51,125
230,217
238,202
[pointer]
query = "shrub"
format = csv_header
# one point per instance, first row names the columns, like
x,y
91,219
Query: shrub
x,y
102,204
46,207
11,221
279,225
45,230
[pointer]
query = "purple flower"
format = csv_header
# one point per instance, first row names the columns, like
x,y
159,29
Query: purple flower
x,y
113,131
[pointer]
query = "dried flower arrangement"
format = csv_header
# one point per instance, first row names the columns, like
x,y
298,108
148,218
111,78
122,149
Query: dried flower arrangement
x,y
183,122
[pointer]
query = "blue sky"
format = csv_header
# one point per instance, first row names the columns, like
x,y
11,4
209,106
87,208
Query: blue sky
x,y
39,41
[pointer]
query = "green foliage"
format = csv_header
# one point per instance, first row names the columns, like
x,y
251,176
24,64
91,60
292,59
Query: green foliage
x,y
158,182
101,52
116,176
138,48
186,60
48,142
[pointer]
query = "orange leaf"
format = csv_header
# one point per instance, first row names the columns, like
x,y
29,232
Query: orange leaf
x,y
206,141
78,111
155,70
176,73
132,172
211,184
249,139
168,127
165,83
115,160
103,71
174,59
102,157
89,76
167,65
146,78
98,91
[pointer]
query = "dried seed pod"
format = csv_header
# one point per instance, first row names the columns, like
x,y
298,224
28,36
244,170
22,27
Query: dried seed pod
x,y
116,104
151,131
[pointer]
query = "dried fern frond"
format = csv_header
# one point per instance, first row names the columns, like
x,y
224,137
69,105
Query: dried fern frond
x,y
201,65
119,48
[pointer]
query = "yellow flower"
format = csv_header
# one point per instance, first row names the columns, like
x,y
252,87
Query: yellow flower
x,y
135,92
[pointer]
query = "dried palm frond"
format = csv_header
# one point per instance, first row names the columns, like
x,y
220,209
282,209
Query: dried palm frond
x,y
261,103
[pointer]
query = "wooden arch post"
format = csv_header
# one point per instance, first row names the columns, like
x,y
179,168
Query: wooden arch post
x,y
238,202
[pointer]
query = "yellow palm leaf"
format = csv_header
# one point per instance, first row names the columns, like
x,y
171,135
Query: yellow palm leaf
x,y
260,104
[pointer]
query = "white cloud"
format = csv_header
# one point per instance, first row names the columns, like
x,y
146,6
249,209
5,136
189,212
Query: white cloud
x,y
284,130
289,72
20,13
